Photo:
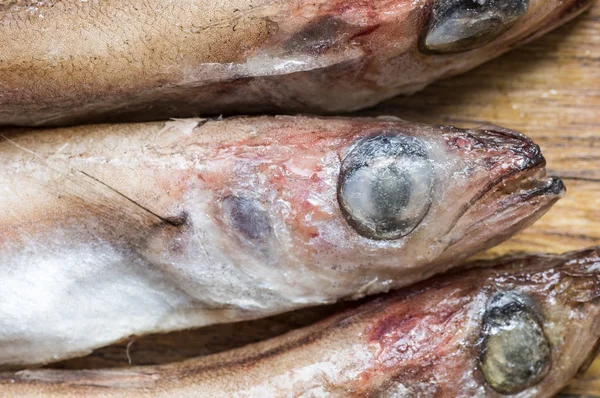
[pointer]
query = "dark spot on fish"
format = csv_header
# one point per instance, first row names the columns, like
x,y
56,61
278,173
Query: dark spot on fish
x,y
320,35
177,221
515,351
461,25
246,217
385,183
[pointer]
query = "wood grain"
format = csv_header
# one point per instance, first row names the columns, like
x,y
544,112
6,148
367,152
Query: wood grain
x,y
549,89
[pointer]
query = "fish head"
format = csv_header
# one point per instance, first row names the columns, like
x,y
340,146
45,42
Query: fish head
x,y
430,27
413,200
522,328
383,201
561,294
401,46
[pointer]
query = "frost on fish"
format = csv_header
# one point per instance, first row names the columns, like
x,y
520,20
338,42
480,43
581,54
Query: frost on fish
x,y
71,61
116,230
520,327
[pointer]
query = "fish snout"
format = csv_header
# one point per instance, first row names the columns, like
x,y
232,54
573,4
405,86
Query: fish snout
x,y
506,159
511,149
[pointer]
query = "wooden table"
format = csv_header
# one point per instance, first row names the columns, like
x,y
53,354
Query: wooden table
x,y
549,89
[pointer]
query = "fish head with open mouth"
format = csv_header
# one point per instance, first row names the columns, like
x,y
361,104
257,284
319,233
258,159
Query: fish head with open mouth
x,y
381,202
522,328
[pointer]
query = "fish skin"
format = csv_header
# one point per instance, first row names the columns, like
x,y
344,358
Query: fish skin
x,y
424,340
110,231
66,62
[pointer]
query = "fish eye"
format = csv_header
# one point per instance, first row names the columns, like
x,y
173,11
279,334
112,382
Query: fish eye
x,y
461,25
384,188
515,351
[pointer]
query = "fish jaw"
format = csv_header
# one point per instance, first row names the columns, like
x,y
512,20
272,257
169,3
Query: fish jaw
x,y
517,194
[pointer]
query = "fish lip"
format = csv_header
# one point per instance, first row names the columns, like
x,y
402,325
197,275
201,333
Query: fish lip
x,y
528,183
549,188
530,170
522,185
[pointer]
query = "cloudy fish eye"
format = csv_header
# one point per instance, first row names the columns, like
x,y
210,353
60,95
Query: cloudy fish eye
x,y
461,25
385,183
515,351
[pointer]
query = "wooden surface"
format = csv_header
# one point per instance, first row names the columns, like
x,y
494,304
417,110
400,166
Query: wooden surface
x,y
550,90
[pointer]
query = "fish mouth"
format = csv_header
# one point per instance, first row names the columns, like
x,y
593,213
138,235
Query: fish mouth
x,y
530,187
528,184
522,176
504,207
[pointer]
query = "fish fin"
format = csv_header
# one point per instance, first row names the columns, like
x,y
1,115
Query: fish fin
x,y
173,221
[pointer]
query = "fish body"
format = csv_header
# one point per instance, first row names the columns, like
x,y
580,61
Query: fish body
x,y
110,231
71,61
522,327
